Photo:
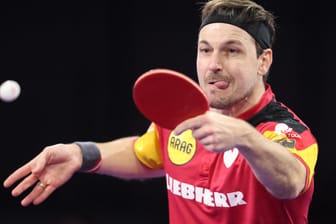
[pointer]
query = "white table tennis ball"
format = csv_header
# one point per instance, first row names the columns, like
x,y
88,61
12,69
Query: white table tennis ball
x,y
9,90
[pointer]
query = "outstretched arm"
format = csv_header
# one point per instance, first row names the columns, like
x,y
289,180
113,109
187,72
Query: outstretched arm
x,y
56,164
122,162
282,174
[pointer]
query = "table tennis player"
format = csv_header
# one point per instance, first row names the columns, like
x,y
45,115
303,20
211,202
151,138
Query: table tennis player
x,y
247,159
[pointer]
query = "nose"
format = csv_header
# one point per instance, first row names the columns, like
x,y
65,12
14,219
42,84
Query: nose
x,y
215,64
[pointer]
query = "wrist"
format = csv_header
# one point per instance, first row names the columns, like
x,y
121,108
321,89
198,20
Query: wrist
x,y
91,157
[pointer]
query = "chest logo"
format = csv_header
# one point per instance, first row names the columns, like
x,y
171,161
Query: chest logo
x,y
182,148
230,156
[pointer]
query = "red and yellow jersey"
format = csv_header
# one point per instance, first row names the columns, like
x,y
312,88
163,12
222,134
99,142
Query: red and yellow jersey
x,y
206,187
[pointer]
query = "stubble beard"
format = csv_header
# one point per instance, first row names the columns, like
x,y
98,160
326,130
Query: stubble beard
x,y
226,102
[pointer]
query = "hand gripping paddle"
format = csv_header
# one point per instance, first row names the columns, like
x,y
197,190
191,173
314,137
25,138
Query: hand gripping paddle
x,y
167,97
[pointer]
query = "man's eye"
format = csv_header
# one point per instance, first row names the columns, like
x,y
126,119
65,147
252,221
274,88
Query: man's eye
x,y
205,50
232,50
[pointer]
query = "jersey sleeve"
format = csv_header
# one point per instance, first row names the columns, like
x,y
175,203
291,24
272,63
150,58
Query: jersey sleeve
x,y
301,144
147,149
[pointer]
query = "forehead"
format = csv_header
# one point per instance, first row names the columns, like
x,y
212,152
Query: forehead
x,y
222,32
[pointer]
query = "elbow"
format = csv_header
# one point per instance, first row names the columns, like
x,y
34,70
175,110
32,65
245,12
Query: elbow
x,y
287,193
290,185
288,190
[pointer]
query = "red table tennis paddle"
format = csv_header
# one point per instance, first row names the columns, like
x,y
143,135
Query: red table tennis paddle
x,y
167,97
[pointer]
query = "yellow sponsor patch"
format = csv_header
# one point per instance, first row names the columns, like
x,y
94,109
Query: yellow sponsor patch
x,y
182,148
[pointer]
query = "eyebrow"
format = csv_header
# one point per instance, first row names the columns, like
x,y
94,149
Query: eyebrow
x,y
228,42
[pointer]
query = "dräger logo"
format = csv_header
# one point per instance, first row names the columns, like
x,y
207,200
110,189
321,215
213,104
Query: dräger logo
x,y
182,148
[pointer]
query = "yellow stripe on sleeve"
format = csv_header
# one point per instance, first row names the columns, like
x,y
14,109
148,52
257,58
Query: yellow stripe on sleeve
x,y
308,154
147,149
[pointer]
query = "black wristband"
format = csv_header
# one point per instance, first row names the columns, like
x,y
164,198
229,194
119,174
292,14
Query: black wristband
x,y
91,156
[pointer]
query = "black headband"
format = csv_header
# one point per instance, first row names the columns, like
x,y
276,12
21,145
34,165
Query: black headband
x,y
259,31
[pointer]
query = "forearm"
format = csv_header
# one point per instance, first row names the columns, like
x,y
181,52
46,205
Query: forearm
x,y
119,160
275,167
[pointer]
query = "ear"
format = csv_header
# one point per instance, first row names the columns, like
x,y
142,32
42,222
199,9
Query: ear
x,y
265,61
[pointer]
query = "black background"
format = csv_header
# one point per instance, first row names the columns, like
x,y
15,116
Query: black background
x,y
76,62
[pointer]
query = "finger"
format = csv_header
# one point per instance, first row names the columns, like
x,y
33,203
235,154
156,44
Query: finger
x,y
203,138
44,195
192,123
34,166
38,194
212,146
16,175
24,185
182,127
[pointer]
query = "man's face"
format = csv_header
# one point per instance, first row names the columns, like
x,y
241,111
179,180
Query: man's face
x,y
227,65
